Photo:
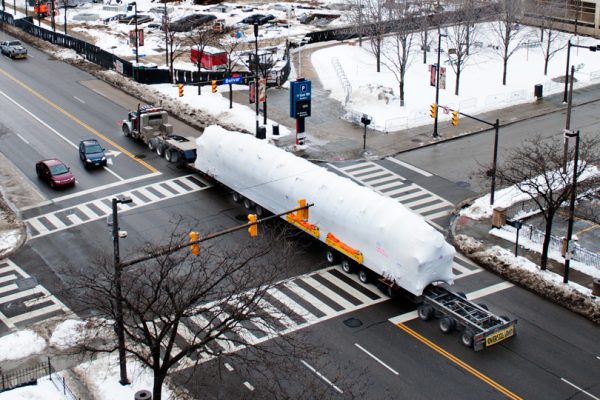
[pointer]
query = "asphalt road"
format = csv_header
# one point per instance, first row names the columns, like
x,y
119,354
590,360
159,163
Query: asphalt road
x,y
555,354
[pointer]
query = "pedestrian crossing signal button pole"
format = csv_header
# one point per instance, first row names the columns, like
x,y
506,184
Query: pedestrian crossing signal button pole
x,y
214,86
181,90
455,118
433,110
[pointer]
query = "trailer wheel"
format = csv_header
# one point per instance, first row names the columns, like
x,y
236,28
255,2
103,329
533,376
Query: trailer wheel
x,y
168,155
236,197
447,324
425,312
152,144
363,276
126,131
160,149
260,212
347,266
248,204
484,306
331,256
467,338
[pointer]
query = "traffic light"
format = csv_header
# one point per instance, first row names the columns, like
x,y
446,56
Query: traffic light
x,y
303,214
195,247
433,110
455,118
181,90
214,86
253,230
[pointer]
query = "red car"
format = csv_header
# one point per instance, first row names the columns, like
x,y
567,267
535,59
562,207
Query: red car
x,y
55,172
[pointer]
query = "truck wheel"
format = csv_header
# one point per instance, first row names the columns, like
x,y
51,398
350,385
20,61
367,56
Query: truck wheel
x,y
125,129
236,197
347,266
169,155
260,212
467,338
425,312
447,324
174,156
160,149
331,256
152,144
363,276
248,204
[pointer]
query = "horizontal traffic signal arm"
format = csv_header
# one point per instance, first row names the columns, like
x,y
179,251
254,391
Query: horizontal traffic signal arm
x,y
186,245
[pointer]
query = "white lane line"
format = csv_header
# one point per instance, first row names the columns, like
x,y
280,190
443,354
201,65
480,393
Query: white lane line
x,y
39,120
249,386
75,219
228,367
110,185
580,389
36,313
55,221
309,280
7,278
307,365
88,213
22,138
110,171
324,308
377,359
471,296
9,288
78,99
489,290
38,226
411,167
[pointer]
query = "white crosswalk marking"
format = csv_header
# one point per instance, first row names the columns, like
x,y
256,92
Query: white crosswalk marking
x,y
366,295
390,184
25,305
66,218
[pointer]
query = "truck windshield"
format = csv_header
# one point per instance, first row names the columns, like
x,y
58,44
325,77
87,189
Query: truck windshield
x,y
14,43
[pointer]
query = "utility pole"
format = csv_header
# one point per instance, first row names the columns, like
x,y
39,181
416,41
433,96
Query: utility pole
x,y
571,206
568,123
437,84
256,73
137,50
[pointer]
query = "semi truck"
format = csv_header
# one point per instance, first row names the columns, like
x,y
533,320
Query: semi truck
x,y
369,234
150,125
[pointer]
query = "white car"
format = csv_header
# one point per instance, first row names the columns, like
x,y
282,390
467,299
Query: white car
x,y
13,49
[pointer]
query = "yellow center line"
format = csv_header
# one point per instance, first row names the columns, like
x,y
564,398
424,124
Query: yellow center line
x,y
459,362
77,120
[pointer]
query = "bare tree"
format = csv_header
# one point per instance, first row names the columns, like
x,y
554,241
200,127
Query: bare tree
x,y
460,38
231,45
535,168
425,10
508,32
175,49
375,18
551,42
201,39
178,305
398,47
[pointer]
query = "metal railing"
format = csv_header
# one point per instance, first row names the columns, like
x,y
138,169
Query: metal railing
x,y
339,70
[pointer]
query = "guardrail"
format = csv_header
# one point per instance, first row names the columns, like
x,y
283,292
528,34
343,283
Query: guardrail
x,y
339,70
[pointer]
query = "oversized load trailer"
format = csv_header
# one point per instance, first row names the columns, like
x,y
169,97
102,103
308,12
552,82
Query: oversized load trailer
x,y
379,238
371,233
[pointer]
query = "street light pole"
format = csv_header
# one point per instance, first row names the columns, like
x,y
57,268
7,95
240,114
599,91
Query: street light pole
x,y
256,72
568,119
571,206
137,59
119,307
166,27
494,162
437,84
567,71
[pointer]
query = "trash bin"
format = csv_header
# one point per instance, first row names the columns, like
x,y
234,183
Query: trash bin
x,y
143,395
539,91
262,132
275,130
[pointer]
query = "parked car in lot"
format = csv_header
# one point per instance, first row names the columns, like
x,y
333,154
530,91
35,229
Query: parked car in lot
x,y
261,19
55,172
13,49
91,153
190,22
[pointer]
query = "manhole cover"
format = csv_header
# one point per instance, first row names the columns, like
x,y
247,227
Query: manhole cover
x,y
26,283
353,323
463,184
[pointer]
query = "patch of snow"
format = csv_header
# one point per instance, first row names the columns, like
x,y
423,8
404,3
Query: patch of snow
x,y
67,334
43,390
20,345
9,239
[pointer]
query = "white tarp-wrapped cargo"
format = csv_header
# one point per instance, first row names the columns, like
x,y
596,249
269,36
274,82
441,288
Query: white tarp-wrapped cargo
x,y
392,240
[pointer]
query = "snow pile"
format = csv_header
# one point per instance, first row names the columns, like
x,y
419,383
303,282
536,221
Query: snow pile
x,y
9,239
102,377
20,345
523,272
43,390
67,334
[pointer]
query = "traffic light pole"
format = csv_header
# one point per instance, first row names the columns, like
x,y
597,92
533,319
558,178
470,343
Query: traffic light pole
x,y
209,237
496,126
